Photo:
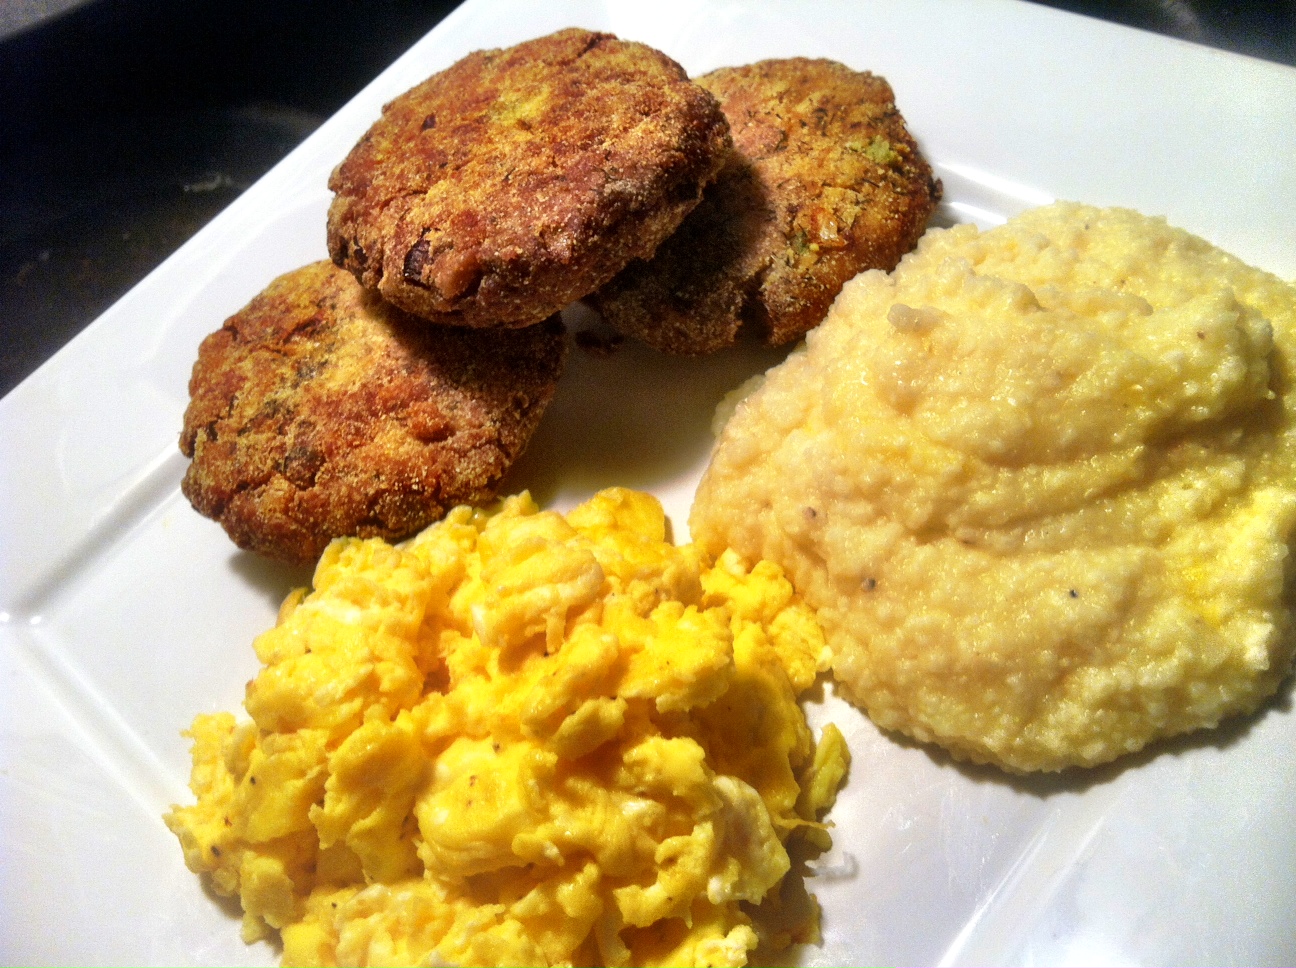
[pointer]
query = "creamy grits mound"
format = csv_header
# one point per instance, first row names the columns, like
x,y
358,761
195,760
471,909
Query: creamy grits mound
x,y
521,738
1039,483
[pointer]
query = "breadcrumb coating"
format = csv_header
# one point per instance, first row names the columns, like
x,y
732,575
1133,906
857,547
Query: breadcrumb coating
x,y
319,411
516,181
824,181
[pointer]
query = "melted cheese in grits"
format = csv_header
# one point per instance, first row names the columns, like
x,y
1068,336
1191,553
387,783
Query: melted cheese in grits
x,y
1039,483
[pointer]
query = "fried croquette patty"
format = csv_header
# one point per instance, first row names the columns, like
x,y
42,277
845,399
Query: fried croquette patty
x,y
824,181
319,411
518,180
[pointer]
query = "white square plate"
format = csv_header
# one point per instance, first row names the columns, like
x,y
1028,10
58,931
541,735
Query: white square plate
x,y
123,613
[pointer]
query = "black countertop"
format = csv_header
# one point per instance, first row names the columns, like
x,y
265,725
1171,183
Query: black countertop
x,y
125,125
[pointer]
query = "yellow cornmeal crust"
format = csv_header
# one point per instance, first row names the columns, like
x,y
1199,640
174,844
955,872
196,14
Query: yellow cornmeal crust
x,y
519,738
1038,483
824,180
516,181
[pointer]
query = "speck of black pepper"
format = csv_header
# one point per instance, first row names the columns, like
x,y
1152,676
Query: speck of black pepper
x,y
215,851
1074,593
870,584
252,780
811,513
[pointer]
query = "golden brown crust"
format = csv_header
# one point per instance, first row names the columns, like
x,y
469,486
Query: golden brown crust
x,y
318,411
824,181
518,180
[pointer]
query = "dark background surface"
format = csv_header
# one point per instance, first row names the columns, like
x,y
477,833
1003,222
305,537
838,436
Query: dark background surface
x,y
125,125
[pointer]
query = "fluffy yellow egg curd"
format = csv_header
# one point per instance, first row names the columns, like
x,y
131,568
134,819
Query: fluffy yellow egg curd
x,y
1039,483
520,739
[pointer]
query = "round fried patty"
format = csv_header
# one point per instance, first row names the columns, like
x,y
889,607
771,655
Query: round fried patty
x,y
318,411
824,181
519,180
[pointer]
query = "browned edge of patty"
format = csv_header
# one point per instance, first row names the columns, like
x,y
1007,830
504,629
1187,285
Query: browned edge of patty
x,y
824,181
517,181
319,411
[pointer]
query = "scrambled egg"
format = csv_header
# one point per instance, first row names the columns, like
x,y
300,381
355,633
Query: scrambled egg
x,y
519,738
1040,483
